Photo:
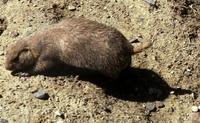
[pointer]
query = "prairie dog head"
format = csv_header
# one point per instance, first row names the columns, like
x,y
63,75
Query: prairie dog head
x,y
18,56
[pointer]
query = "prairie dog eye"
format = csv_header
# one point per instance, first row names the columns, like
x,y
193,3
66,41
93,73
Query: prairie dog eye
x,y
26,57
21,56
15,60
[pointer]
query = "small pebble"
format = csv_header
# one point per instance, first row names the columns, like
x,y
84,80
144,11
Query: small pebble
x,y
35,5
151,2
194,96
57,99
3,120
40,94
150,106
60,114
138,118
159,104
71,8
188,72
14,34
195,108
172,92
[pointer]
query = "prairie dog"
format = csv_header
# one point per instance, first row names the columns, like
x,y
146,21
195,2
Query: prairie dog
x,y
75,42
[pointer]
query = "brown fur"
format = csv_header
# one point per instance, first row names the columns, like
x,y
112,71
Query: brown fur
x,y
76,42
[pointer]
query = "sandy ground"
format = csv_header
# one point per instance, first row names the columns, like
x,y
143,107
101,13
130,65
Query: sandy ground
x,y
168,72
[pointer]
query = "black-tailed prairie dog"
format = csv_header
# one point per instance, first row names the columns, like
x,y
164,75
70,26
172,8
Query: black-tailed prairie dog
x,y
74,42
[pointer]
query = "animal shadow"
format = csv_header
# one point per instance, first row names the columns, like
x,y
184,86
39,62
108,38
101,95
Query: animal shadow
x,y
134,84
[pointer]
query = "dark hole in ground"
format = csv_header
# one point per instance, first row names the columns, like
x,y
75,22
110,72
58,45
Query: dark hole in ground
x,y
140,85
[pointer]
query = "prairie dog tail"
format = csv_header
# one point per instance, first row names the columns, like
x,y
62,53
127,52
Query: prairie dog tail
x,y
140,46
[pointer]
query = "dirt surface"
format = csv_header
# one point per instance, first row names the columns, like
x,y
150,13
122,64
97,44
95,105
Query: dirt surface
x,y
168,72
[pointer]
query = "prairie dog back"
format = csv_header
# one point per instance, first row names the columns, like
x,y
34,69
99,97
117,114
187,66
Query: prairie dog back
x,y
76,42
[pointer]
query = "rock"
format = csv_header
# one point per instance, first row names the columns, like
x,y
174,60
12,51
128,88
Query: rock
x,y
195,108
172,92
71,7
194,96
3,120
151,2
159,104
35,5
14,34
151,107
188,72
60,114
40,94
